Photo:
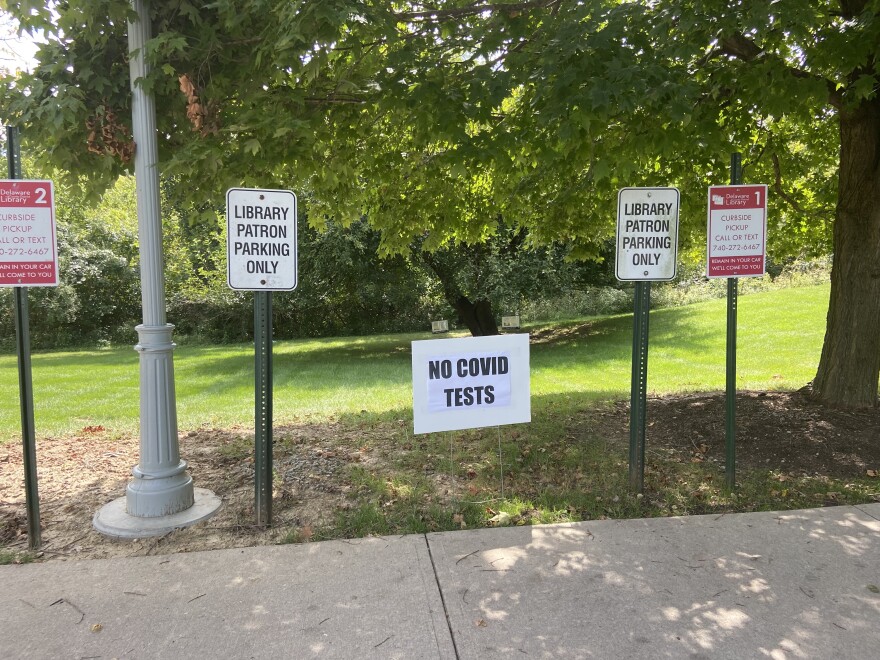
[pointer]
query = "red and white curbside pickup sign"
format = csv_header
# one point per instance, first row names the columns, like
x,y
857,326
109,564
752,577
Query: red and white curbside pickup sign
x,y
28,246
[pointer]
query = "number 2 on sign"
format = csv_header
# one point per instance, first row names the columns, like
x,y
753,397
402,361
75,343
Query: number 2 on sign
x,y
41,196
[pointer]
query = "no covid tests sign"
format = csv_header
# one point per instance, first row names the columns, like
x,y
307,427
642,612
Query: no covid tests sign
x,y
470,383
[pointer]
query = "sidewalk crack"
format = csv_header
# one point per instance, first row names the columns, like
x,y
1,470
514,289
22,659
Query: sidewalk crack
x,y
867,513
442,597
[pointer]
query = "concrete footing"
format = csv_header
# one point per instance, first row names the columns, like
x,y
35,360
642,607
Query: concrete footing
x,y
113,519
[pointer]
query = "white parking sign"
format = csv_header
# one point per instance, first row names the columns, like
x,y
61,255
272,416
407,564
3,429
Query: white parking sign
x,y
647,234
261,239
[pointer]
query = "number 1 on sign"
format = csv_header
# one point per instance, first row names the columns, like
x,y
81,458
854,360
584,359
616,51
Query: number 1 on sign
x,y
758,197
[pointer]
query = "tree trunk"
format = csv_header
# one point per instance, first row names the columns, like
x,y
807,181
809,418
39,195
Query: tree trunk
x,y
850,364
477,316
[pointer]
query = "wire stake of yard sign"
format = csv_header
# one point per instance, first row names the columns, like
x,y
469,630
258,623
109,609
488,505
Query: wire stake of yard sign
x,y
500,462
25,380
452,464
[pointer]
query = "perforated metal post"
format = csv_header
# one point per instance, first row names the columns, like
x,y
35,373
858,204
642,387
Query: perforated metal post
x,y
639,387
263,407
730,414
25,380
732,296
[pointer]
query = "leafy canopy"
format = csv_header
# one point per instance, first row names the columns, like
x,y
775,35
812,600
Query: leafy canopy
x,y
434,121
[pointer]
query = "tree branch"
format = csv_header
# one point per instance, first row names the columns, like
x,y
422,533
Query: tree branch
x,y
743,48
851,8
461,12
333,98
777,186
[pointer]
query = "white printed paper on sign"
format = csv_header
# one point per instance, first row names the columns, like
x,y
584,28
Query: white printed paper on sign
x,y
470,383
469,379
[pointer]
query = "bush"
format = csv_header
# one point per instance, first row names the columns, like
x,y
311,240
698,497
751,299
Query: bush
x,y
575,303
344,288
691,287
98,300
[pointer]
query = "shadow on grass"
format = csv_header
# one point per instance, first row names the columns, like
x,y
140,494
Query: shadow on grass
x,y
387,359
329,369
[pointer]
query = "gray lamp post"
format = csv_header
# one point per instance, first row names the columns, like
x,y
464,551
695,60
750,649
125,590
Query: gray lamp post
x,y
161,497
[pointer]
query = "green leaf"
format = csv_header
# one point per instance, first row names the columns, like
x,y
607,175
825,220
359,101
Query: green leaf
x,y
252,146
865,87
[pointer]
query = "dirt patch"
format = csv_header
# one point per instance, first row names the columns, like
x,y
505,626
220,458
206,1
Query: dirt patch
x,y
79,474
781,431
785,431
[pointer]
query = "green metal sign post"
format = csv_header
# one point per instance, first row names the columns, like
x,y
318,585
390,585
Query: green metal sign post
x,y
25,381
261,250
732,296
730,413
647,251
639,387
263,407
736,241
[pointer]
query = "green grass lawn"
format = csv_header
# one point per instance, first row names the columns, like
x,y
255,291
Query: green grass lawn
x,y
560,467
779,341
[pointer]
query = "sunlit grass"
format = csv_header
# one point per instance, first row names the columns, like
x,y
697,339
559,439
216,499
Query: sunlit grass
x,y
574,363
558,468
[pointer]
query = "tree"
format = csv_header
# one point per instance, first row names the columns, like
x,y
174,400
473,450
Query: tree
x,y
396,158
815,63
500,273
670,90
433,121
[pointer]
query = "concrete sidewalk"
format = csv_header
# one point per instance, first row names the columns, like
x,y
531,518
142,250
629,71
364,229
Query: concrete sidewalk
x,y
799,584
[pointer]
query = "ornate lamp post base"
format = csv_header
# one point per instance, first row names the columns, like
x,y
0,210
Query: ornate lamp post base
x,y
113,520
161,496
